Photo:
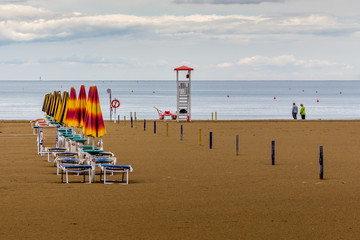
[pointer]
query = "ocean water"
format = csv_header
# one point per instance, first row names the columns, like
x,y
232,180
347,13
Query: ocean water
x,y
230,99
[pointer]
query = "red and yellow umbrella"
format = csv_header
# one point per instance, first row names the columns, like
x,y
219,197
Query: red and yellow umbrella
x,y
93,123
81,107
70,109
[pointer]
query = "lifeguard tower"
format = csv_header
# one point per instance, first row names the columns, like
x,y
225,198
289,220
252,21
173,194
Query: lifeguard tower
x,y
183,84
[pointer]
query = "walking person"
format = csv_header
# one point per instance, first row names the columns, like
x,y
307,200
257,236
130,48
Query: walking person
x,y
294,111
302,111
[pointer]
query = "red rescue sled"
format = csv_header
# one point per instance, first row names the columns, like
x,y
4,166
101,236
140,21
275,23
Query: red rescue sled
x,y
164,114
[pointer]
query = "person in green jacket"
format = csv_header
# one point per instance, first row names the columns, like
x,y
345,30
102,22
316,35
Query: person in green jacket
x,y
302,111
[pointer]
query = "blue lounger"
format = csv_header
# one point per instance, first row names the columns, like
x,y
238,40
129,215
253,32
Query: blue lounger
x,y
124,169
66,161
75,169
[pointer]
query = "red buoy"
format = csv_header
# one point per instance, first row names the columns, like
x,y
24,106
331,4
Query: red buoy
x,y
274,97
317,100
228,95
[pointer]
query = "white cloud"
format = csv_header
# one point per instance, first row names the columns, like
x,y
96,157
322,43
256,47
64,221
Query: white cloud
x,y
284,61
24,23
225,1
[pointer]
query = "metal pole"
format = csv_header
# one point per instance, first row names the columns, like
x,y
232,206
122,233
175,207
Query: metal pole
x,y
144,125
321,163
181,132
237,145
154,127
273,152
211,138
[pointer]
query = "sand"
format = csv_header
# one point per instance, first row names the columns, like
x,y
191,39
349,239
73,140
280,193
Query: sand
x,y
181,190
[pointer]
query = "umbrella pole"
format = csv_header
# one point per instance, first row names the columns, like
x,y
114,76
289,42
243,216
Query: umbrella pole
x,y
93,143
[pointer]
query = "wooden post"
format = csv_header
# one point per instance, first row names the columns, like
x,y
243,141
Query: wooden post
x,y
154,127
135,116
118,119
211,138
273,152
321,163
237,145
131,122
200,137
144,125
212,116
215,116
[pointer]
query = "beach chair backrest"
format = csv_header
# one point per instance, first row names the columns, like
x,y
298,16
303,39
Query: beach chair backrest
x,y
49,136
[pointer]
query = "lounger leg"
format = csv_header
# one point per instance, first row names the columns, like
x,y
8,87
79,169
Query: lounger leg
x,y
67,176
89,176
127,176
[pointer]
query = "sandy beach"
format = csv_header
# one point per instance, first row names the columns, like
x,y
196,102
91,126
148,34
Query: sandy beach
x,y
181,190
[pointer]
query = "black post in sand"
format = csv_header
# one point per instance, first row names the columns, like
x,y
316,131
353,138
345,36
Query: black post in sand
x,y
273,152
131,122
154,127
144,124
321,162
118,119
211,138
181,132
237,145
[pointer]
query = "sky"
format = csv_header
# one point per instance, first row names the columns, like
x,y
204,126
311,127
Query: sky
x,y
146,40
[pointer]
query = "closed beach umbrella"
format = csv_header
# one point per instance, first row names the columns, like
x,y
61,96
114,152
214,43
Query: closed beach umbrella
x,y
46,102
58,114
62,112
81,107
55,104
71,107
93,124
49,104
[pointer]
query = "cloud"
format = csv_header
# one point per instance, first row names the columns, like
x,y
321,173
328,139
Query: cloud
x,y
24,24
284,61
225,1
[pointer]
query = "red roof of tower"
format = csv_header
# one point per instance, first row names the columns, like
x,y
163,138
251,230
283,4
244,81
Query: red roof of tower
x,y
183,68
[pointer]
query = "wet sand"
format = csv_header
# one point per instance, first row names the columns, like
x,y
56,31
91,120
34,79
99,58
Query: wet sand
x,y
181,190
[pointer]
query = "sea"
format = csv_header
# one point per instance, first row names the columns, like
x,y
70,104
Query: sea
x,y
231,100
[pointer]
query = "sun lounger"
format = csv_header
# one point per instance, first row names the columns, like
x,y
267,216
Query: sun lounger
x,y
53,150
75,169
123,169
66,161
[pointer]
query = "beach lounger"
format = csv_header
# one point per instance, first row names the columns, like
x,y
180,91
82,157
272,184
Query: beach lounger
x,y
66,161
63,155
111,169
53,150
47,138
79,169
